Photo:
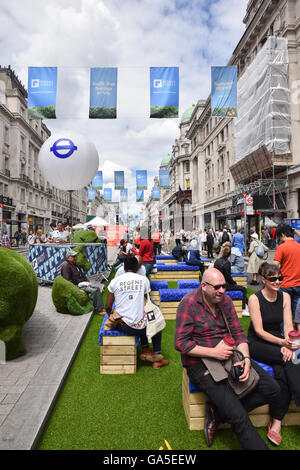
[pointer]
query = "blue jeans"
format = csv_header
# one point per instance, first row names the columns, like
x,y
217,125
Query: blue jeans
x,y
148,267
295,296
156,340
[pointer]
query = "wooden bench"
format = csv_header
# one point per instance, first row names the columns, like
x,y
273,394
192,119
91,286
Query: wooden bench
x,y
155,286
118,351
175,273
241,279
194,409
167,261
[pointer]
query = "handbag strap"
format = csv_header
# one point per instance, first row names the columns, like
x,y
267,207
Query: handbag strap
x,y
229,330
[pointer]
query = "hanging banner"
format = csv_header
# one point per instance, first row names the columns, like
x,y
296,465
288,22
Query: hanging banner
x,y
124,195
107,194
224,91
139,195
91,194
164,178
155,193
119,179
97,182
141,179
164,92
42,85
103,93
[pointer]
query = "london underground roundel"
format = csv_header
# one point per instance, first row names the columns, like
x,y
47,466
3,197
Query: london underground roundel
x,y
68,160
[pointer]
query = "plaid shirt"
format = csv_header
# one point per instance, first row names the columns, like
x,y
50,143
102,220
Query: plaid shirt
x,y
197,326
5,240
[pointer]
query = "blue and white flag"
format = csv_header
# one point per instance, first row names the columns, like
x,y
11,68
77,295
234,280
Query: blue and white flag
x,y
91,194
42,86
107,194
103,93
141,179
139,195
164,178
119,180
224,91
164,92
124,195
97,182
155,193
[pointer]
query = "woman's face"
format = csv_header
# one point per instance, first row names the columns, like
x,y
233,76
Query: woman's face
x,y
273,281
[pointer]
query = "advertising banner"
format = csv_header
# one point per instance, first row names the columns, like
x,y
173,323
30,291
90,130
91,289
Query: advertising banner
x,y
119,179
115,233
42,85
97,182
103,93
224,91
139,195
164,178
155,193
164,92
91,194
141,179
107,194
124,195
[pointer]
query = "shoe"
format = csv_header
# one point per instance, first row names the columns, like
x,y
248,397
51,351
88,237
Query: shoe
x,y
162,363
148,355
210,424
245,312
273,436
101,313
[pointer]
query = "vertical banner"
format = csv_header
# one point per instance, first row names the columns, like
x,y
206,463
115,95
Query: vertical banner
x,y
164,92
119,179
139,195
155,193
224,91
141,179
107,194
91,194
103,93
97,182
164,178
124,195
42,85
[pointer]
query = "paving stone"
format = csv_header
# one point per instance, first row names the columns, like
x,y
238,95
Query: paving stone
x,y
11,398
5,409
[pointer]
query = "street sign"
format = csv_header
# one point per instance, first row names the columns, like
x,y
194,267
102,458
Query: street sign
x,y
249,200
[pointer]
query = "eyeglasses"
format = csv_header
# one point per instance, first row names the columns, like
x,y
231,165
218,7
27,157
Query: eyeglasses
x,y
217,286
274,278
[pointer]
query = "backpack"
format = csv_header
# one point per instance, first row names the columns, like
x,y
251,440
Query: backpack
x,y
225,237
260,250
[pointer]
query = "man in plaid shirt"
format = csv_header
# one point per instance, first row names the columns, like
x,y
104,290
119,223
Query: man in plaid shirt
x,y
200,328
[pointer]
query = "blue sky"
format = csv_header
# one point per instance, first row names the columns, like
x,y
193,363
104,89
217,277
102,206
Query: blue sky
x,y
132,35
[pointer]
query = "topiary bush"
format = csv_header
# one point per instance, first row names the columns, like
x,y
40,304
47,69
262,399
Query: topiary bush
x,y
69,299
84,236
18,296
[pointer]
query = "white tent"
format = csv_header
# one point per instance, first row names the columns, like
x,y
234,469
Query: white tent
x,y
96,222
270,223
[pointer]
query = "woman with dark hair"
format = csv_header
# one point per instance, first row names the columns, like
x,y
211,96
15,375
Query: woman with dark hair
x,y
269,343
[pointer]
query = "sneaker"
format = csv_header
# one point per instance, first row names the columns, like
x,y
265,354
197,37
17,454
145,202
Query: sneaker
x,y
148,355
245,312
162,363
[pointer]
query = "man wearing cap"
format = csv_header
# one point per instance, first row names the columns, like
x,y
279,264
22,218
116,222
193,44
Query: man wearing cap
x,y
75,274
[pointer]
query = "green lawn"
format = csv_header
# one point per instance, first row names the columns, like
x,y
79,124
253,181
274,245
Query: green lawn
x,y
130,412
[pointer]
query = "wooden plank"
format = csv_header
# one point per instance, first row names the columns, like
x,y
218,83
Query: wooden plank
x,y
118,350
169,316
121,369
118,340
169,304
120,360
291,419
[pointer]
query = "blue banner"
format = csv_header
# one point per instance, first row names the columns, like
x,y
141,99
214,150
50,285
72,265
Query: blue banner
x,y
97,182
164,92
224,91
107,194
164,178
103,93
124,195
119,179
42,85
141,179
139,195
155,193
91,194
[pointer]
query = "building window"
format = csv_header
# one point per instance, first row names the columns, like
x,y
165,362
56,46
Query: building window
x,y
187,167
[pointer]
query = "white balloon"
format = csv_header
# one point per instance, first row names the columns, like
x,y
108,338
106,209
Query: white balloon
x,y
68,160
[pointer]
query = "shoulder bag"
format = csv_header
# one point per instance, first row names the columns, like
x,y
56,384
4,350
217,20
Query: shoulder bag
x,y
155,319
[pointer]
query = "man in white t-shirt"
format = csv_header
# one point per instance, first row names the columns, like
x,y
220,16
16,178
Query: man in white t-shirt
x,y
141,271
128,291
60,235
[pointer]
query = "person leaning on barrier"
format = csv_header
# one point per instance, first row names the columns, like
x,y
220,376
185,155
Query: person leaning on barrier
x,y
73,273
200,329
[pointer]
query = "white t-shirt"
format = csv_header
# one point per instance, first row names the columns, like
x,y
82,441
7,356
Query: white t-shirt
x,y
129,290
61,235
141,271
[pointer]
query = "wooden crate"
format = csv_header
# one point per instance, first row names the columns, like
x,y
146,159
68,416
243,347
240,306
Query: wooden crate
x,y
118,355
194,409
154,295
240,280
169,309
175,275
167,261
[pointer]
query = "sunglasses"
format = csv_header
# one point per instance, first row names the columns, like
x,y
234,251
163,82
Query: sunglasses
x,y
274,278
217,286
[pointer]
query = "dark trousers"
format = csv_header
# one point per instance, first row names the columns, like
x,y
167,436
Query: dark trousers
x,y
287,374
234,287
234,411
156,340
210,250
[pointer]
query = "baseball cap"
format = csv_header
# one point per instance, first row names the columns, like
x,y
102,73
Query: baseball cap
x,y
254,235
71,253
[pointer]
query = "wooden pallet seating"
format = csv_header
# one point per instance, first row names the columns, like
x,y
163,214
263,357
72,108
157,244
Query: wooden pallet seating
x,y
155,286
118,351
194,408
166,259
241,279
175,273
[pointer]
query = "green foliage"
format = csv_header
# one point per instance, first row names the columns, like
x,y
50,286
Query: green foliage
x,y
42,112
69,299
164,112
18,296
84,236
97,112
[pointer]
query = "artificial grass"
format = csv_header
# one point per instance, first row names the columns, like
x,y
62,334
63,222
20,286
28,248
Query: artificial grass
x,y
131,412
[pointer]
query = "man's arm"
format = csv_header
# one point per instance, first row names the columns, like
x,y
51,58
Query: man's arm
x,y
109,302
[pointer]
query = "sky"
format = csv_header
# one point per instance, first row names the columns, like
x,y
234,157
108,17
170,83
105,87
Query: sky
x,y
132,35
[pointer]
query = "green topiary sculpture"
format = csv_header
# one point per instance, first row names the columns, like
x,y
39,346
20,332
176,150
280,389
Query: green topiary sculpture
x,y
84,236
18,296
69,299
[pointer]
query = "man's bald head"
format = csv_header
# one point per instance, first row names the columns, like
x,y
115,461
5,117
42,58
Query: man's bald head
x,y
213,276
